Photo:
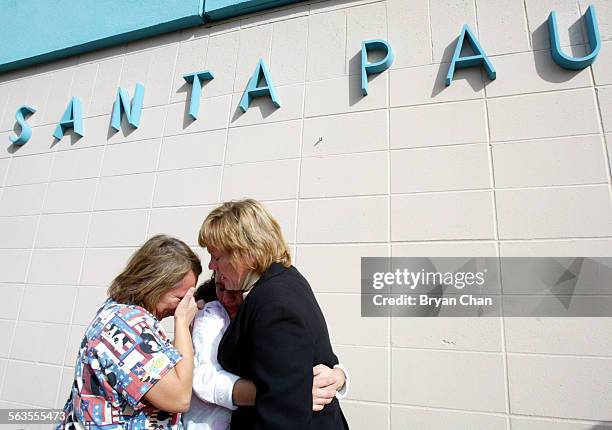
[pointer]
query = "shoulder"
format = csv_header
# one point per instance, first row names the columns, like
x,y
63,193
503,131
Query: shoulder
x,y
123,318
284,285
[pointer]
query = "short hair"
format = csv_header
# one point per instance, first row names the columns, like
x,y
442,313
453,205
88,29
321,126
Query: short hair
x,y
247,231
155,268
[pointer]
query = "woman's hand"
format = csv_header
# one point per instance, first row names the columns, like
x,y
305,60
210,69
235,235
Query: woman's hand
x,y
187,308
325,384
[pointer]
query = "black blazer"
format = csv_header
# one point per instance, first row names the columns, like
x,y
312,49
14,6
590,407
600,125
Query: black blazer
x,y
277,337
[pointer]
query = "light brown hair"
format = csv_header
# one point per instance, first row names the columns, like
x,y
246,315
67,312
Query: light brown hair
x,y
248,232
157,267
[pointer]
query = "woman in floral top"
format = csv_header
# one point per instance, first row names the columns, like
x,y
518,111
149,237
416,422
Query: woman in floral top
x,y
128,375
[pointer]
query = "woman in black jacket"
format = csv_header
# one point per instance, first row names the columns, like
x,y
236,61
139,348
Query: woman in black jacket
x,y
279,333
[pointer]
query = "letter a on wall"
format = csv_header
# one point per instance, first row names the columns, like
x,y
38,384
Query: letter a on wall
x,y
72,118
26,130
132,110
254,90
566,61
478,59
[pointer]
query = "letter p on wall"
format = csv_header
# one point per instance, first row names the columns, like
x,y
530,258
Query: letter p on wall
x,y
377,67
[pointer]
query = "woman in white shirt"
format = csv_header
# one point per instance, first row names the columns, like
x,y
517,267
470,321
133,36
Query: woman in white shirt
x,y
216,392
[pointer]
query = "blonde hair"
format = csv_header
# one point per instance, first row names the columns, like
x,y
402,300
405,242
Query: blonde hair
x,y
248,232
155,268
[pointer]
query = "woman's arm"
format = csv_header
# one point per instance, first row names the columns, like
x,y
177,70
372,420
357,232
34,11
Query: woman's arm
x,y
172,393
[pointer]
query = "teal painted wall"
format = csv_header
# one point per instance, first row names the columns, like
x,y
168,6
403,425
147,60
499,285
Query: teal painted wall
x,y
34,31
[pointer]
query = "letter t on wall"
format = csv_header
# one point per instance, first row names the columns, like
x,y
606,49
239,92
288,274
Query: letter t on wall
x,y
377,67
196,79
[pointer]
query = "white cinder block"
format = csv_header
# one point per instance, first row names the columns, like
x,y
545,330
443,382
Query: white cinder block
x,y
455,380
447,20
264,142
568,14
118,228
59,95
83,83
55,266
13,95
522,117
182,223
274,15
460,167
47,303
66,381
63,230
575,387
221,60
187,187
131,157
357,132
284,213
363,23
421,418
288,54
425,84
134,70
255,44
409,35
70,196
40,342
22,199
261,109
21,377
88,301
17,232
125,192
348,327
604,95
191,58
192,150
360,361
343,220
604,9
442,216
268,180
531,72
37,96
560,336
464,334
584,211
566,161
502,26
13,265
101,266
360,174
212,116
326,45
7,328
603,64
444,249
77,164
160,74
75,337
98,132
558,248
365,416
342,95
520,423
4,166
335,268
105,88
11,298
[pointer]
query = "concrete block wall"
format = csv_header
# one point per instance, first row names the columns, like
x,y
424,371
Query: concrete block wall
x,y
519,166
